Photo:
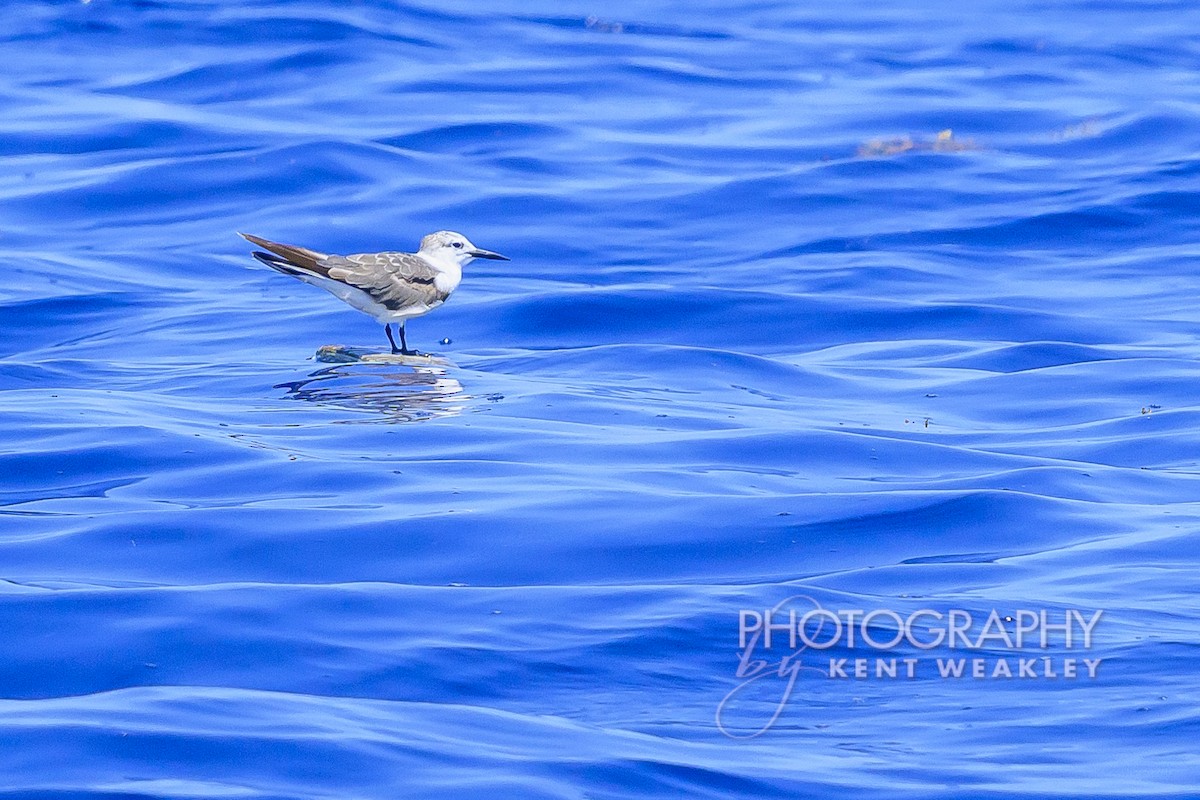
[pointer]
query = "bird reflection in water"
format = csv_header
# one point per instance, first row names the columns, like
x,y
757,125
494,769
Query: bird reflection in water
x,y
401,388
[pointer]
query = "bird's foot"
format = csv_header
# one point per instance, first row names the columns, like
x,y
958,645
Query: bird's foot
x,y
397,351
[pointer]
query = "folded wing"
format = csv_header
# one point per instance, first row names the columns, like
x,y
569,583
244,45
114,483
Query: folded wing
x,y
393,280
396,280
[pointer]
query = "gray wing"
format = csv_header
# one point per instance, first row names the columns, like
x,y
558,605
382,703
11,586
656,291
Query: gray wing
x,y
396,280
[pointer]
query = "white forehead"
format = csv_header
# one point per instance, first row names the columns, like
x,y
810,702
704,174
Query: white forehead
x,y
442,239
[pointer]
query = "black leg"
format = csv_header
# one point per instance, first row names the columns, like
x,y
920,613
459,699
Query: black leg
x,y
402,350
403,344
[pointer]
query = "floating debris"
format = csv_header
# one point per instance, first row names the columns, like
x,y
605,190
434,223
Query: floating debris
x,y
343,354
336,354
944,142
597,24
1087,129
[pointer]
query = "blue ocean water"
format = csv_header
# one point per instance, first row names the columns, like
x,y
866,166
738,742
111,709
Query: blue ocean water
x,y
839,307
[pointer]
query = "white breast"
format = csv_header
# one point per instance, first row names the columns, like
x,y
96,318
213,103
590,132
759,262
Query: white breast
x,y
449,276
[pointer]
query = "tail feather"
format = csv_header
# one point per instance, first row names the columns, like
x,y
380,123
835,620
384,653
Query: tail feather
x,y
282,256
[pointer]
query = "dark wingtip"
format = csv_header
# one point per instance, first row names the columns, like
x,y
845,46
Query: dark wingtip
x,y
273,261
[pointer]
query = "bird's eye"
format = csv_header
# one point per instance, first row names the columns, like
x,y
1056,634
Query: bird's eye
x,y
457,245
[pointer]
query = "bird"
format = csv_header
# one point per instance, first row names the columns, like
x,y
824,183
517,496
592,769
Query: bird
x,y
389,286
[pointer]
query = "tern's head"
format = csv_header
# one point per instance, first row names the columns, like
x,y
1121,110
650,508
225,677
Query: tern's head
x,y
454,247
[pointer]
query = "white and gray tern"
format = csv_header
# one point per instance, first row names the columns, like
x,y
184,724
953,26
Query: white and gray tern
x,y
389,286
